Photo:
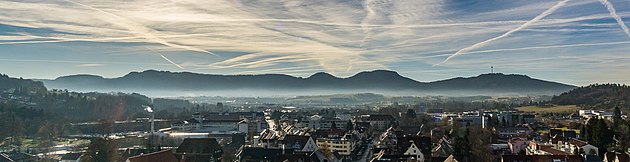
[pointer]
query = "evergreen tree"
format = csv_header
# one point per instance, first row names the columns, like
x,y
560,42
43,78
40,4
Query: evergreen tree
x,y
349,125
101,150
461,146
411,113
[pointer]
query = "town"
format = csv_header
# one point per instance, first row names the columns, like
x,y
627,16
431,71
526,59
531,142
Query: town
x,y
385,131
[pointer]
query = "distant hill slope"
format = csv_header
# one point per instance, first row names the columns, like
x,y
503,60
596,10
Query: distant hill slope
x,y
379,81
603,96
8,83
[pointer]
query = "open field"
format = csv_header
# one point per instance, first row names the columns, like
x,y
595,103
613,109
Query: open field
x,y
553,109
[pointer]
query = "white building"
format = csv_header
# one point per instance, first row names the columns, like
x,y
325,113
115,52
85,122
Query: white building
x,y
414,150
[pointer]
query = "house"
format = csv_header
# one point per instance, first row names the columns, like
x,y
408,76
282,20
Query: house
x,y
71,157
616,157
383,157
541,158
199,149
343,146
592,158
517,145
510,132
256,154
450,158
163,156
5,158
320,156
413,150
293,158
581,146
299,143
414,145
319,122
543,149
20,156
378,121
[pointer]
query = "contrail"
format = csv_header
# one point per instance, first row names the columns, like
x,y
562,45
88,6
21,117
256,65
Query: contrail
x,y
364,24
526,24
166,58
613,13
141,30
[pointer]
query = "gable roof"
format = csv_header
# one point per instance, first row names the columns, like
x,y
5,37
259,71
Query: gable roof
x,y
293,157
554,151
164,156
577,142
71,156
5,158
259,153
291,140
199,145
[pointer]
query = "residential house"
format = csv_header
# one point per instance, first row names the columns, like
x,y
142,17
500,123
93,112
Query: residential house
x,y
162,156
199,149
378,121
616,157
541,158
71,157
517,145
5,158
299,143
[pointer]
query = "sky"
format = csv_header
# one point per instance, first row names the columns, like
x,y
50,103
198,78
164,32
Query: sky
x,y
577,42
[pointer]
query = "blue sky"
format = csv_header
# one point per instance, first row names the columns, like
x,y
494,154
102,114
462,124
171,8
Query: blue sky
x,y
577,41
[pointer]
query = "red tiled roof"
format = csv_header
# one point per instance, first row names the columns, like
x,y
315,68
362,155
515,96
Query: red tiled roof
x,y
554,151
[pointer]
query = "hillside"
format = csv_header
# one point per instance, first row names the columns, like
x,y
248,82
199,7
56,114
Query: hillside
x,y
379,81
602,96
8,83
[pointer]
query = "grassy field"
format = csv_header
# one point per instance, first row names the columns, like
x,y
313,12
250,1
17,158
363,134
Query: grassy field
x,y
553,109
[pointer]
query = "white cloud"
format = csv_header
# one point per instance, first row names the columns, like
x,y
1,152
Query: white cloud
x,y
337,36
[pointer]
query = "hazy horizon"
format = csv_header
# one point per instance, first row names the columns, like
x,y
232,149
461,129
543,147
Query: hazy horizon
x,y
577,42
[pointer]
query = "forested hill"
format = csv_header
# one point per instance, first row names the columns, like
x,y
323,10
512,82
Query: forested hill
x,y
8,83
30,99
165,83
601,96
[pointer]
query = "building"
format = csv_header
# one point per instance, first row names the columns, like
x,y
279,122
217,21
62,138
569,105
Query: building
x,y
299,143
543,149
517,145
616,157
377,122
319,122
70,157
245,122
162,156
510,132
541,158
256,154
576,146
343,146
199,149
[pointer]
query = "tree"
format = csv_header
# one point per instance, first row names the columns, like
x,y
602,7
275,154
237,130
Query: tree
x,y
461,145
599,134
617,120
411,113
349,125
101,150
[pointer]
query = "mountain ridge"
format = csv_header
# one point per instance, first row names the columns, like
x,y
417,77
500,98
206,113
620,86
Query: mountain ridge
x,y
366,81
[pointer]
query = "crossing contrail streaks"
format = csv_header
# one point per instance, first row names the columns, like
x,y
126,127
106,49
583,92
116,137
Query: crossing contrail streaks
x,y
526,24
140,30
166,58
617,18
